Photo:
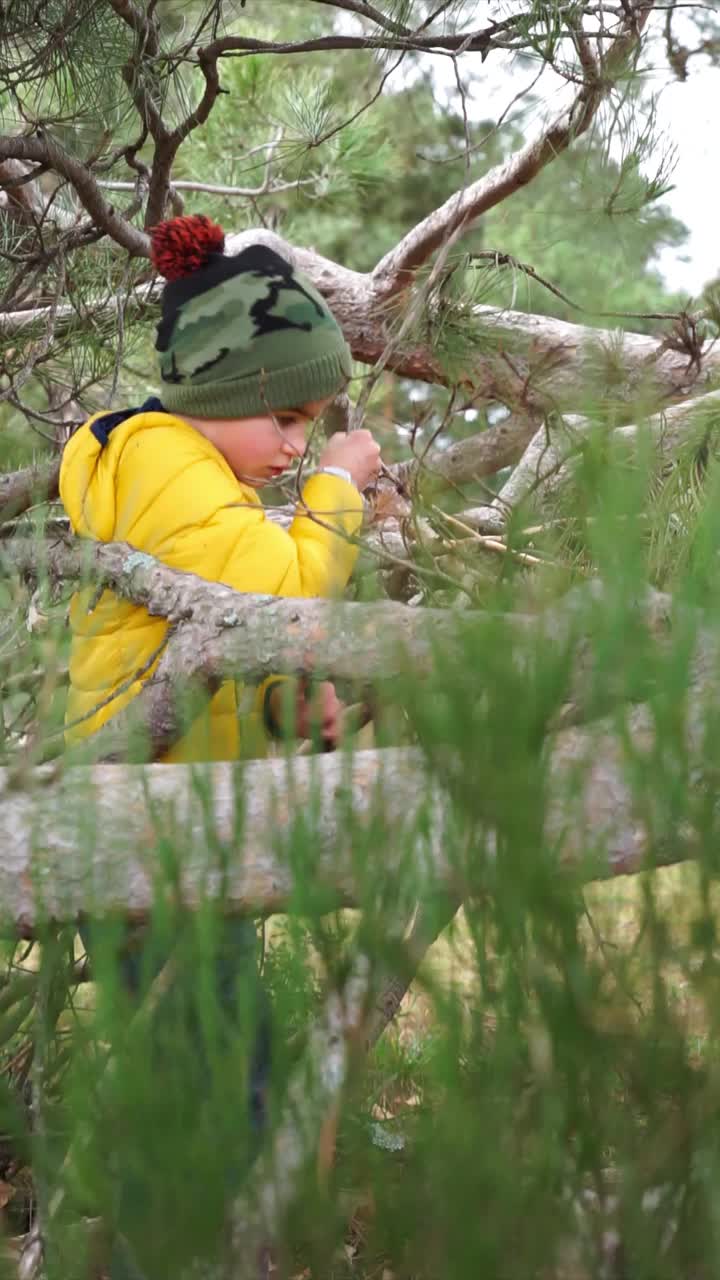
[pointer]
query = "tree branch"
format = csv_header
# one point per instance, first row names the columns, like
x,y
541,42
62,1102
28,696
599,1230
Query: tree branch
x,y
365,10
313,1096
547,461
52,866
41,148
217,634
473,42
217,631
463,461
392,986
20,489
217,189
552,361
394,271
21,192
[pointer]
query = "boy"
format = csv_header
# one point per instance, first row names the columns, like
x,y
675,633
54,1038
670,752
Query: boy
x,y
250,356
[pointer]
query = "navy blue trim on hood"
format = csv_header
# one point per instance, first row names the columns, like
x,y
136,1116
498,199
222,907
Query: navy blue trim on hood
x,y
102,427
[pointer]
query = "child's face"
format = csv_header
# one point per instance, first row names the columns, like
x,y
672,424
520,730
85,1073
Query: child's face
x,y
259,450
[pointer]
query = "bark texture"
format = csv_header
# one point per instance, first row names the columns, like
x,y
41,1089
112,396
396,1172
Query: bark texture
x,y
19,489
96,840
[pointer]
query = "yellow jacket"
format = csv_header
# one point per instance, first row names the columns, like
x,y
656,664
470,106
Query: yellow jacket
x,y
161,486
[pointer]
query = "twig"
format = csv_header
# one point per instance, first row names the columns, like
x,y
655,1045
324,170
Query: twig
x,y
217,189
490,544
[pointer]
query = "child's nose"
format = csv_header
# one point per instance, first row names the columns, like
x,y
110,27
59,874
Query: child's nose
x,y
294,441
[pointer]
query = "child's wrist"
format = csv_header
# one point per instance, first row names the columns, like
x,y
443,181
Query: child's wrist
x,y
342,473
277,708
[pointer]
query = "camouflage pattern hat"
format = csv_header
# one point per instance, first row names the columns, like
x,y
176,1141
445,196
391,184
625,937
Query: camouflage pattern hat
x,y
240,336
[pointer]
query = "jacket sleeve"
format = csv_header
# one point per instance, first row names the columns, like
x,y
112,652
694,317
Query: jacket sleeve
x,y
187,509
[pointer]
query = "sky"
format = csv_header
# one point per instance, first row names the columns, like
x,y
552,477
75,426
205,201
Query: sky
x,y
689,113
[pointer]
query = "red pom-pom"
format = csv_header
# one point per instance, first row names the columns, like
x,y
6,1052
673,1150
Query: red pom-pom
x,y
183,245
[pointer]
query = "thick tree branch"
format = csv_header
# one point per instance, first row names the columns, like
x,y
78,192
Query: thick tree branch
x,y
267,630
560,359
537,359
57,873
86,843
464,461
19,489
216,634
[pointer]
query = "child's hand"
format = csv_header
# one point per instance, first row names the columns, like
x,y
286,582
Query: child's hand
x,y
317,712
357,452
320,714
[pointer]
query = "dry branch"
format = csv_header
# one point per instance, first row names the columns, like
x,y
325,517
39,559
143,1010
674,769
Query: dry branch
x,y
566,360
19,489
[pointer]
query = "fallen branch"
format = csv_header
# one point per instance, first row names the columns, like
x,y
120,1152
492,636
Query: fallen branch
x,y
219,630
55,864
88,844
217,634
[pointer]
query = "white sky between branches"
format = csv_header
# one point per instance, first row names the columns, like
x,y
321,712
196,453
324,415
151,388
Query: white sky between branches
x,y
687,115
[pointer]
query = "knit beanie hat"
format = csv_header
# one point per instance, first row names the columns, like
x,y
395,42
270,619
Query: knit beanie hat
x,y
240,336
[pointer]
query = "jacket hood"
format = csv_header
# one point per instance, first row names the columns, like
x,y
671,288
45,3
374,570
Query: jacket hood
x,y
88,471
